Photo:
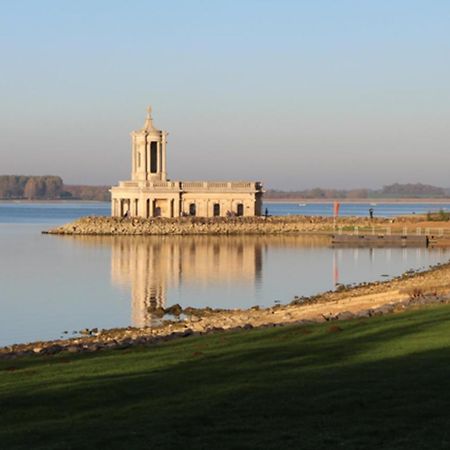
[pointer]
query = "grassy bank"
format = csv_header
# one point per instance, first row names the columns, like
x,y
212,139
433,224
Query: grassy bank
x,y
377,383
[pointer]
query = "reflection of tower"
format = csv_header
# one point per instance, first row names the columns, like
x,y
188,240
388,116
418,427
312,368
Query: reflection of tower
x,y
154,264
143,264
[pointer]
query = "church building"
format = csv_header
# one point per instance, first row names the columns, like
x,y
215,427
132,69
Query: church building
x,y
150,193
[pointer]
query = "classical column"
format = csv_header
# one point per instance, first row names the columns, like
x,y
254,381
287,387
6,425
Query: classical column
x,y
158,152
176,207
163,155
147,158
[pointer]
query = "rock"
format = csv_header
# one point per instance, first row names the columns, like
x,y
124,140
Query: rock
x,y
188,332
382,310
52,349
328,316
94,347
364,314
214,330
122,345
174,310
73,349
157,312
318,319
345,315
247,326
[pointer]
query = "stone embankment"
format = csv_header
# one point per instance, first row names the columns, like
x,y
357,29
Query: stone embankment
x,y
217,225
411,290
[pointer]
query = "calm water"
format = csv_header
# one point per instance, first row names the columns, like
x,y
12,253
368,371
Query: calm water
x,y
54,213
51,284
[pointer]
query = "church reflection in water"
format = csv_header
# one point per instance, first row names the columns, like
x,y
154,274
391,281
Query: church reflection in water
x,y
153,265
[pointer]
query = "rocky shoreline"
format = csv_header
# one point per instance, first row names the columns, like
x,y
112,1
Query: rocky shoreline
x,y
411,290
219,225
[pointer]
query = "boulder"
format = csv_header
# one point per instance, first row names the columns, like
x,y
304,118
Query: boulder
x,y
344,315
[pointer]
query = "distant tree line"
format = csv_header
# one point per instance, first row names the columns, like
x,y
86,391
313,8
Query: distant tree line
x,y
51,187
396,190
85,192
47,187
30,187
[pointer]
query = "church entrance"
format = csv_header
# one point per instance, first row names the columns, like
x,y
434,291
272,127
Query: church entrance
x,y
160,207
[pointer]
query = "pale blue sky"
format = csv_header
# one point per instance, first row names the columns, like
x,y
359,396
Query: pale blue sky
x,y
298,94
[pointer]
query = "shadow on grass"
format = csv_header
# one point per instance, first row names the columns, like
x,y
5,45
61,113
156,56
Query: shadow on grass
x,y
377,384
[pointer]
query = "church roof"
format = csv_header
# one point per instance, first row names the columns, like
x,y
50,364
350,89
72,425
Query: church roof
x,y
148,125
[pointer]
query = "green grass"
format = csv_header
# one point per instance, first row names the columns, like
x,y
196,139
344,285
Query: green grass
x,y
380,383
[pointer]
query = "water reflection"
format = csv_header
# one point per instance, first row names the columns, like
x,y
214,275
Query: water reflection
x,y
240,271
150,266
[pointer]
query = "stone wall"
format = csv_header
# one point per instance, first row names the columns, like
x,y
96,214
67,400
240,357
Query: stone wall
x,y
217,225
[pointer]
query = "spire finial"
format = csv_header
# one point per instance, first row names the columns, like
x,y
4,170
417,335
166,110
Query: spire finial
x,y
148,120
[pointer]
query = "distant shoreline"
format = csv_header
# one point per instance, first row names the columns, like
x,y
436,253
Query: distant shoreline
x,y
270,200
357,200
23,201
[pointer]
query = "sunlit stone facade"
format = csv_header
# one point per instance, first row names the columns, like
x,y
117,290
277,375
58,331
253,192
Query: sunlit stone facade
x,y
150,193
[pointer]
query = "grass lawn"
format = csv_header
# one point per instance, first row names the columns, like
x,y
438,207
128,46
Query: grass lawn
x,y
369,384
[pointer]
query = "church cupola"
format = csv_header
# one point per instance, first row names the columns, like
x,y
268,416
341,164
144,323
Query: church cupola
x,y
148,152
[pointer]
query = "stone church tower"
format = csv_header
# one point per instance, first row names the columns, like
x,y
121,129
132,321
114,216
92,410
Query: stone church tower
x,y
148,152
150,193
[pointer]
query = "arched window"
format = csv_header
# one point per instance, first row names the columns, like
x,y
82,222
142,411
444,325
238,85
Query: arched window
x,y
192,209
153,157
240,209
216,209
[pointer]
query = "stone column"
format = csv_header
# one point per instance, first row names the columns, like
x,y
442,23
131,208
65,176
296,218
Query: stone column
x,y
163,156
158,152
142,206
176,207
147,158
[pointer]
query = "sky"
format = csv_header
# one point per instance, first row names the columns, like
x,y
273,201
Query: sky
x,y
297,94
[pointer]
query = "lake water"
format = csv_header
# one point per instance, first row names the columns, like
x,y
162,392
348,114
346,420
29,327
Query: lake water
x,y
52,284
